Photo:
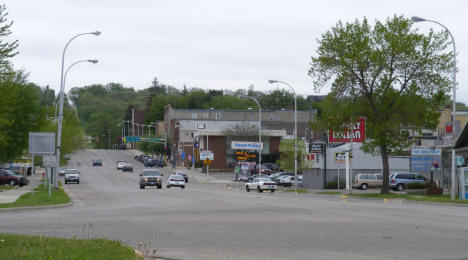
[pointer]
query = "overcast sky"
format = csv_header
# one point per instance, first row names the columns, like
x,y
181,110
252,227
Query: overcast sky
x,y
205,44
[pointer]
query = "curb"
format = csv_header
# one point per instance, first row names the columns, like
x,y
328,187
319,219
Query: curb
x,y
37,207
409,201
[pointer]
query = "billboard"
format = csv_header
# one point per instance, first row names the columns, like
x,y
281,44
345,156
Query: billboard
x,y
41,143
246,145
358,130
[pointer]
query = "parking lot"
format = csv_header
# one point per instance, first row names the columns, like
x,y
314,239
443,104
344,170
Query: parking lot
x,y
214,218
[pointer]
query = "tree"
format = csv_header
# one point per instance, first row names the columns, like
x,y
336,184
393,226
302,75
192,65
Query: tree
x,y
242,132
388,73
286,149
7,49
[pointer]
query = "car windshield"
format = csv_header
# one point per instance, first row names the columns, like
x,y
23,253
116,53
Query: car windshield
x,y
73,171
151,173
177,178
10,172
97,159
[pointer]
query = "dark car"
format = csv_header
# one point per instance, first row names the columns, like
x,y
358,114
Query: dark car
x,y
97,162
122,147
183,175
272,166
154,162
265,170
127,168
12,178
150,178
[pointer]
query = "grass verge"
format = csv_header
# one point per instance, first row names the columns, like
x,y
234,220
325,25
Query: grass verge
x,y
328,192
40,198
14,246
426,198
298,191
5,187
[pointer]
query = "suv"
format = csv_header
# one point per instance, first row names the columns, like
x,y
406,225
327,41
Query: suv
x,y
12,178
154,162
97,162
72,175
399,181
364,181
150,178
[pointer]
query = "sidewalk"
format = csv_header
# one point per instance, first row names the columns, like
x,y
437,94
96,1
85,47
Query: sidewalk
x,y
8,196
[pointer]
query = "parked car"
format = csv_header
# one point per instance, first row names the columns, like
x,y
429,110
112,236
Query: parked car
x,y
12,178
72,175
176,181
150,178
244,178
399,181
127,167
276,176
244,168
154,162
265,170
97,162
273,167
67,156
261,184
183,174
120,164
122,146
289,181
364,181
61,171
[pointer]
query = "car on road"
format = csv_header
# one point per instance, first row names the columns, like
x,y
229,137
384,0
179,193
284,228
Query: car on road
x,y
122,147
261,184
399,181
176,181
61,171
72,175
183,174
120,164
365,181
127,167
97,162
67,156
150,178
154,162
12,178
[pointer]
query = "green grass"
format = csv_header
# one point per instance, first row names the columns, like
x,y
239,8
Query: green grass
x,y
14,246
427,198
40,198
298,191
5,187
328,192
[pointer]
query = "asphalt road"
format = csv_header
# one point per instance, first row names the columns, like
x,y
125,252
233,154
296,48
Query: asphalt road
x,y
210,221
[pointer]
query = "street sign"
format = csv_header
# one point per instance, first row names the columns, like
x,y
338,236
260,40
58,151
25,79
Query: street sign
x,y
459,161
131,139
340,157
41,143
182,155
206,155
423,159
358,130
426,151
316,148
246,145
200,126
49,160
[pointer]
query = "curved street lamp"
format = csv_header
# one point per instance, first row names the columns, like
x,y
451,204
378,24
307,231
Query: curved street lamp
x,y
454,110
295,128
59,128
259,133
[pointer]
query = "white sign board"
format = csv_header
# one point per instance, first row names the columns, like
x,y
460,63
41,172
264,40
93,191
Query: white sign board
x,y
238,145
41,143
426,151
206,155
200,126
49,160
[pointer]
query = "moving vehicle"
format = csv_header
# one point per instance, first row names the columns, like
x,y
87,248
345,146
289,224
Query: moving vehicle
x,y
12,178
72,175
176,181
261,184
120,164
183,175
150,178
61,171
127,167
97,162
364,181
154,162
67,156
399,181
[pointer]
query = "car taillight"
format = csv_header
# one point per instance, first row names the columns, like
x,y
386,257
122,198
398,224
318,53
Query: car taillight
x,y
393,181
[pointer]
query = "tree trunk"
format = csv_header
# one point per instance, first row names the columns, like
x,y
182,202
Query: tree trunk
x,y
386,170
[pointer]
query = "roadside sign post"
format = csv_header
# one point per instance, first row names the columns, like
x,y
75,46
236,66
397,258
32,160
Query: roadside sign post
x,y
40,143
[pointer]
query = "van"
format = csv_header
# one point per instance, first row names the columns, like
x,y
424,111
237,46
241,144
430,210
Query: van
x,y
399,180
364,181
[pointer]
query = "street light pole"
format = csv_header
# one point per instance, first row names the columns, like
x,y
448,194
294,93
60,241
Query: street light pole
x,y
59,128
454,110
295,128
259,133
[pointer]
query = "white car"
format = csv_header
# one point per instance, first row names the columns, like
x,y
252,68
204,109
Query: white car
x,y
261,184
120,164
289,181
244,168
72,175
176,181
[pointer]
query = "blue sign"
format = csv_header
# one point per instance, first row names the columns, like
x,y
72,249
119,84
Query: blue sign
x,y
421,163
182,155
130,139
459,161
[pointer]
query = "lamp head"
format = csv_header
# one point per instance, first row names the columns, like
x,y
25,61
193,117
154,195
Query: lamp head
x,y
97,33
272,81
417,19
93,61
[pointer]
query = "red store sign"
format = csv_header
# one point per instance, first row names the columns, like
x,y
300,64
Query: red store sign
x,y
359,133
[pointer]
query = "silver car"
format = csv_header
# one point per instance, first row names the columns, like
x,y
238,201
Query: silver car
x,y
150,178
176,181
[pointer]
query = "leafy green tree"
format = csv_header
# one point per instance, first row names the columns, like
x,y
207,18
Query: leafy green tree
x,y
7,49
286,149
388,73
